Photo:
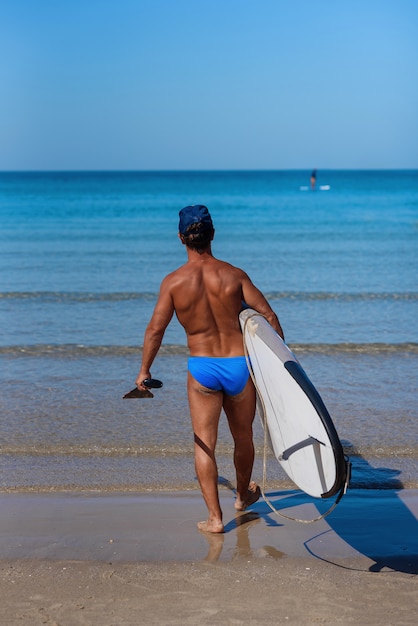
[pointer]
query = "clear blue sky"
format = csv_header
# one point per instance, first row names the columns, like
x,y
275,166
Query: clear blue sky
x,y
208,84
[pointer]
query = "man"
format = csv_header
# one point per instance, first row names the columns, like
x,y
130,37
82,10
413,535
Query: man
x,y
207,295
313,180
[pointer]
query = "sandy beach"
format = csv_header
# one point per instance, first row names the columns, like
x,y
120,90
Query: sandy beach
x,y
138,558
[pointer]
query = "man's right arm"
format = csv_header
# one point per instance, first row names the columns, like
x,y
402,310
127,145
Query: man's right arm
x,y
161,317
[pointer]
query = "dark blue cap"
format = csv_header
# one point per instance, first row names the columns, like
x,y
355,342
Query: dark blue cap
x,y
194,214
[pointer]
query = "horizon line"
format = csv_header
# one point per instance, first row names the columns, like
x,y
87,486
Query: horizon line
x,y
208,170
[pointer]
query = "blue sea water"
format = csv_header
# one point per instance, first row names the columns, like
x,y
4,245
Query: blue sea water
x,y
81,259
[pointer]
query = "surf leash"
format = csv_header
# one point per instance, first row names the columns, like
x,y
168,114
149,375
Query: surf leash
x,y
263,416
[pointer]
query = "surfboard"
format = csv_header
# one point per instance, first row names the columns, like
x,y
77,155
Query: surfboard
x,y
301,431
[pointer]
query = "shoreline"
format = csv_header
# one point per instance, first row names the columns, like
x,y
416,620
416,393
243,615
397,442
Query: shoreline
x,y
130,558
377,525
145,472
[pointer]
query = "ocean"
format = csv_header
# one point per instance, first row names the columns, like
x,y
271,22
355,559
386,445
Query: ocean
x,y
82,255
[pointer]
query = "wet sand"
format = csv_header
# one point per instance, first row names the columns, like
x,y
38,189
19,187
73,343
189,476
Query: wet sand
x,y
124,558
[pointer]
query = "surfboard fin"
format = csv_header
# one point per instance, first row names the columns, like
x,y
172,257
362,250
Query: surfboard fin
x,y
138,393
150,383
310,441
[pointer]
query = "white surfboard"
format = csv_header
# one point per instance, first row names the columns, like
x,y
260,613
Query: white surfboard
x,y
303,437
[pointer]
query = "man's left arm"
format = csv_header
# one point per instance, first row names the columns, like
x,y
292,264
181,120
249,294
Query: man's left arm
x,y
256,300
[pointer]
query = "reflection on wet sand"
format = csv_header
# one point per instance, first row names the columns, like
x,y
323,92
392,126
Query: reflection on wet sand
x,y
241,525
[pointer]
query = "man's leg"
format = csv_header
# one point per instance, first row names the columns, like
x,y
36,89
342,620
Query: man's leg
x,y
240,411
205,409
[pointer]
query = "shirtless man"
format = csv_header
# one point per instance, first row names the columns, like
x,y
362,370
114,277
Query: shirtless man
x,y
313,180
207,295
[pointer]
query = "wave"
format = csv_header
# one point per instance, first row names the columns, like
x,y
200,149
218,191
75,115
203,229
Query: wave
x,y
46,467
299,296
90,451
302,296
180,450
79,350
80,297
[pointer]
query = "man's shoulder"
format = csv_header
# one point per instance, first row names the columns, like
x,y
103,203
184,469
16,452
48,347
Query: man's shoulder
x,y
231,268
175,275
213,261
184,272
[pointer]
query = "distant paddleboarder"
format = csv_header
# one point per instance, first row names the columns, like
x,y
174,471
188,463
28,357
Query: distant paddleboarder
x,y
313,180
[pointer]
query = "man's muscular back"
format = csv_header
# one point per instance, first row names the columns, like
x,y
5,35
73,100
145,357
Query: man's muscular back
x,y
207,296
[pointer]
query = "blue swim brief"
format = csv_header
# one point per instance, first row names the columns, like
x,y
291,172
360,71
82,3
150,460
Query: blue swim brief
x,y
227,374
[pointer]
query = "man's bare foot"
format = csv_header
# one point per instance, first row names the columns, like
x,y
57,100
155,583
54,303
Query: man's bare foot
x,y
254,493
210,527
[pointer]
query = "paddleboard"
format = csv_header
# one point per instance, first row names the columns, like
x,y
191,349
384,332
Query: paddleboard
x,y
320,188
301,431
